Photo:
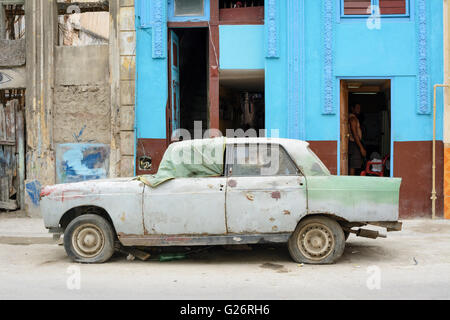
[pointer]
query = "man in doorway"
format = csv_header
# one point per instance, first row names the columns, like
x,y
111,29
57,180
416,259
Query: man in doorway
x,y
356,151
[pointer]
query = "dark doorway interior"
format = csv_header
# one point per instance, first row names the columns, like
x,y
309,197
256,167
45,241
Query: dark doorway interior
x,y
242,99
374,97
193,55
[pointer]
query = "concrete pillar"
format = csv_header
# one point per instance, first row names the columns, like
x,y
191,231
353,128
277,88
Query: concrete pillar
x,y
2,22
127,65
41,22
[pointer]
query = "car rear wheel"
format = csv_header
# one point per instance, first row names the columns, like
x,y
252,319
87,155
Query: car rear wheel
x,y
317,240
89,238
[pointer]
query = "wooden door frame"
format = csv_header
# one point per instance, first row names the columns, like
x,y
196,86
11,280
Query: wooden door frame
x,y
213,64
343,128
169,106
169,86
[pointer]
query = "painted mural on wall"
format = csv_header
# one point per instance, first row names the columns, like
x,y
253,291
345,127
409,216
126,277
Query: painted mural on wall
x,y
81,161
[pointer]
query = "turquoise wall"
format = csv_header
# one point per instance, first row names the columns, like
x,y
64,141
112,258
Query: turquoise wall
x,y
151,81
390,52
358,52
276,80
241,46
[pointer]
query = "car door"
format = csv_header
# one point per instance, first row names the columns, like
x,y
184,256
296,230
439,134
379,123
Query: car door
x,y
186,206
266,192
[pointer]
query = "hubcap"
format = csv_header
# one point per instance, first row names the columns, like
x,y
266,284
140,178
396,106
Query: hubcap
x,y
88,240
316,241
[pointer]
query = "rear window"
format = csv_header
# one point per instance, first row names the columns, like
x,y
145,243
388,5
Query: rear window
x,y
260,160
314,166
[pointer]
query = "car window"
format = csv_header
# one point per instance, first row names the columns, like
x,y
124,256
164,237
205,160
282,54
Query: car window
x,y
260,160
316,167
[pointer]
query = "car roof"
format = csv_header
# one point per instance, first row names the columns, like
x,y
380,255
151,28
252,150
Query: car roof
x,y
287,143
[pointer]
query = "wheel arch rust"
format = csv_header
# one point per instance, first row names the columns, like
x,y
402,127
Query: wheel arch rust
x,y
339,219
75,212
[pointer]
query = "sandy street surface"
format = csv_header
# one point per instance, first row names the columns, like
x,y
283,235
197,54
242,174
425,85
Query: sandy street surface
x,y
412,264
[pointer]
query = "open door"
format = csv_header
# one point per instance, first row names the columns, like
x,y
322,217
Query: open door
x,y
374,113
344,128
174,80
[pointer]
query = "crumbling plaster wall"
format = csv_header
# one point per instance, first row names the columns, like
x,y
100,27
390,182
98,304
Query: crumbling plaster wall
x,y
40,19
82,111
78,95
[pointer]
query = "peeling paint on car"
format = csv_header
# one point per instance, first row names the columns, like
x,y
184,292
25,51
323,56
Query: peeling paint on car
x,y
227,210
276,195
232,183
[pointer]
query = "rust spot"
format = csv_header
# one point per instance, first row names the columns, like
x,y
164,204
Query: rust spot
x,y
276,195
122,217
286,212
232,183
210,186
274,228
250,196
272,219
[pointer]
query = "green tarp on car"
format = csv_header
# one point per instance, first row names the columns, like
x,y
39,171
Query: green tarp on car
x,y
190,158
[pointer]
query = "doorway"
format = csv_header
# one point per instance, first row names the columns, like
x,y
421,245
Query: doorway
x,y
12,149
242,102
374,115
188,79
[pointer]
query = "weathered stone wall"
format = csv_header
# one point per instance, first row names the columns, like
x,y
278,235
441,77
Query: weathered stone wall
x,y
40,155
77,97
82,114
82,111
13,53
82,65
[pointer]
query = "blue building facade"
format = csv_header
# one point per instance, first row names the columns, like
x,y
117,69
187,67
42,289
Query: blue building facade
x,y
305,63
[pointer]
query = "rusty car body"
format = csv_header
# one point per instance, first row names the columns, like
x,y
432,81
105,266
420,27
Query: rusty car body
x,y
300,203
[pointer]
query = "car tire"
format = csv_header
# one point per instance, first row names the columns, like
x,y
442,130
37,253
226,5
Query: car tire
x,y
89,238
317,240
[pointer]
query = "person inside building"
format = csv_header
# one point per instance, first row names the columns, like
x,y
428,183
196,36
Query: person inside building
x,y
356,151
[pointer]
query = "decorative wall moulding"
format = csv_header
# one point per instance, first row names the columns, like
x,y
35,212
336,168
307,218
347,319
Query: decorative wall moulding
x,y
272,29
328,59
423,77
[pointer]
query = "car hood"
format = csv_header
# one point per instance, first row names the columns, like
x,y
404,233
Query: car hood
x,y
84,188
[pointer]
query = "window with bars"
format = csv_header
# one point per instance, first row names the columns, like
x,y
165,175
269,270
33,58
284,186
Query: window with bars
x,y
361,8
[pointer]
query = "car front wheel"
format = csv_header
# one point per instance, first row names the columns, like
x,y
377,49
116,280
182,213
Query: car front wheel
x,y
89,238
317,240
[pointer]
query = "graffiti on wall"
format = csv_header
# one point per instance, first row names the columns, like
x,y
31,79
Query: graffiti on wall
x,y
12,78
33,189
81,161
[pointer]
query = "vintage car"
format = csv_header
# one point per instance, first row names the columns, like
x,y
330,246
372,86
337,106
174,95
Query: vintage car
x,y
224,191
